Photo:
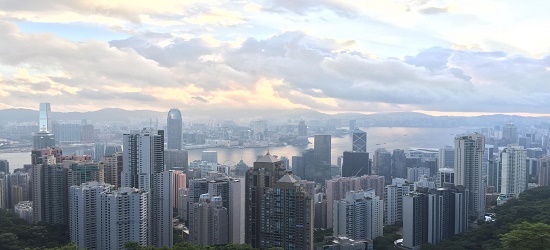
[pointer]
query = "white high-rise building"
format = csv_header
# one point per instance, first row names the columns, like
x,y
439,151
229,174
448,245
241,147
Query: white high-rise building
x,y
393,209
469,151
143,168
359,216
514,170
123,217
84,213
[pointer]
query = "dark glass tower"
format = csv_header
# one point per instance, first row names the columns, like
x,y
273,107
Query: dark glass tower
x,y
173,127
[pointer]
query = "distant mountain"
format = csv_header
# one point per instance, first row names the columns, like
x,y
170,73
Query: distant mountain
x,y
395,119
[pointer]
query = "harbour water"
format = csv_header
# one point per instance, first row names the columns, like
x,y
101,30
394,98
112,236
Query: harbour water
x,y
377,137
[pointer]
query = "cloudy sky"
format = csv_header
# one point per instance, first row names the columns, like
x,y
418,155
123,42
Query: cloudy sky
x,y
438,57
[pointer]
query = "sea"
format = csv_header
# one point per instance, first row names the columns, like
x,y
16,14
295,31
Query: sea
x,y
389,138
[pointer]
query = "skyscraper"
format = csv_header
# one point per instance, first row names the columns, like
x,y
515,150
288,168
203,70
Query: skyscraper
x,y
44,118
143,168
50,194
514,170
287,216
210,156
174,129
382,163
44,138
359,140
84,213
266,171
355,164
469,151
322,158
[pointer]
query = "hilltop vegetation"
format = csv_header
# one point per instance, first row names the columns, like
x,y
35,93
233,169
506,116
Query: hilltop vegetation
x,y
16,233
521,222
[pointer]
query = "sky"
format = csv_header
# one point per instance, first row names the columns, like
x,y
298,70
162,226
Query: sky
x,y
464,57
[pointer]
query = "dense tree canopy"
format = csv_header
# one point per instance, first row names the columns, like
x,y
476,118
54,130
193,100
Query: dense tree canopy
x,y
16,233
532,207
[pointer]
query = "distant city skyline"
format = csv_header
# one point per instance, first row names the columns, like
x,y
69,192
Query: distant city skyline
x,y
434,57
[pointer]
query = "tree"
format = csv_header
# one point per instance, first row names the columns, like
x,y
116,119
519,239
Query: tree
x,y
527,236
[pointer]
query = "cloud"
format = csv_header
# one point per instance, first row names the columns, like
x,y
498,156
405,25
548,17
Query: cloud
x,y
200,99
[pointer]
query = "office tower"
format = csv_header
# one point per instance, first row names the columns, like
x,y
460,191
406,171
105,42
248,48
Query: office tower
x,y
99,151
209,222
123,217
231,190
174,129
414,174
304,166
544,171
382,163
359,216
398,163
446,157
355,164
112,168
287,217
509,134
175,159
444,176
179,180
24,210
210,156
302,128
44,118
533,156
44,138
84,213
322,158
469,151
359,141
431,216
514,170
5,166
50,194
143,168
265,172
393,208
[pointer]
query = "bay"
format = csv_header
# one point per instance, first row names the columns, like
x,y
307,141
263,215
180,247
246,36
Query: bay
x,y
377,137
